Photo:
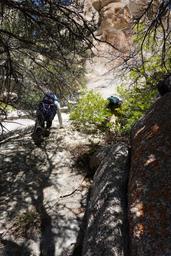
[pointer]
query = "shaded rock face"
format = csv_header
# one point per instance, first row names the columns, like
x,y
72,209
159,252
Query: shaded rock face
x,y
149,186
164,86
106,214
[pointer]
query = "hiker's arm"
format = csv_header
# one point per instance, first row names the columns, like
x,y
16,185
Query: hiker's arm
x,y
59,113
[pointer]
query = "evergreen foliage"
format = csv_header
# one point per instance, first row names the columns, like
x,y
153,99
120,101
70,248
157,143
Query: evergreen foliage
x,y
145,69
43,44
136,101
91,112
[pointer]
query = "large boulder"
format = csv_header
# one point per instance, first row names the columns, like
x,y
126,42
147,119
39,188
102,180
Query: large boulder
x,y
149,186
106,227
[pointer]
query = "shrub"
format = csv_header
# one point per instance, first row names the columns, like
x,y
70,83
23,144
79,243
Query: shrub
x,y
136,101
6,107
91,112
149,63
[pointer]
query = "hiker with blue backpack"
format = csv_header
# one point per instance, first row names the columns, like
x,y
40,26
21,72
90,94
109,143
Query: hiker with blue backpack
x,y
114,102
46,111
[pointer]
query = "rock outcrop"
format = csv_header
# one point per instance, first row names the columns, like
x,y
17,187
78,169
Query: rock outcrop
x,y
114,22
115,19
138,7
106,227
150,182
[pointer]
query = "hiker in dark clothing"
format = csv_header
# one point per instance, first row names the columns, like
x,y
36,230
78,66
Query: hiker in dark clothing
x,y
114,102
47,110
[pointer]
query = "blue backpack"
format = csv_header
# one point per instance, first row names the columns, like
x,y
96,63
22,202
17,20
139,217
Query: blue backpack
x,y
114,102
47,106
50,98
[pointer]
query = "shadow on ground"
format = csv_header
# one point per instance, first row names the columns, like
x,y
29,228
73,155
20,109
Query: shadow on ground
x,y
28,174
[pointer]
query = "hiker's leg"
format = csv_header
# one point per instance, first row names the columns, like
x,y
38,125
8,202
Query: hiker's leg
x,y
39,123
49,124
58,110
38,129
40,119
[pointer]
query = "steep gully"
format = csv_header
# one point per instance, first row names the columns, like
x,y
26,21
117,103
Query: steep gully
x,y
44,191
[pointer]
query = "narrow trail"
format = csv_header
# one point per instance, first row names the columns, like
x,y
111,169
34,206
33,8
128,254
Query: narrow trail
x,y
43,192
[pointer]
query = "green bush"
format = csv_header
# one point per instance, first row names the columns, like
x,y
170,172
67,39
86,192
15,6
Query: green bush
x,y
91,112
136,101
149,63
6,107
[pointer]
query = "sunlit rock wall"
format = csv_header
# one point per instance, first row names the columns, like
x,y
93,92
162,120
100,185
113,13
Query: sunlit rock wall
x,y
114,21
150,182
137,7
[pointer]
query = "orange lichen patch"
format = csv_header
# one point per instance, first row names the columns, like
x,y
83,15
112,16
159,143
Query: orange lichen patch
x,y
155,129
77,211
137,209
138,230
151,161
